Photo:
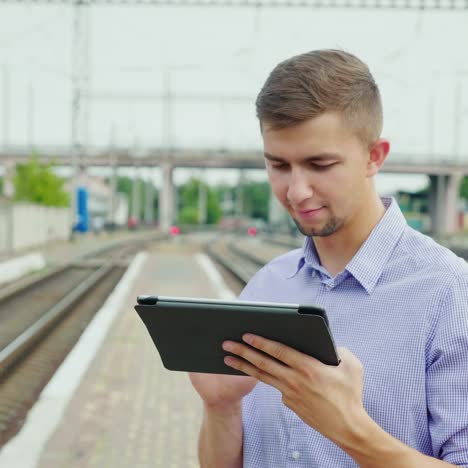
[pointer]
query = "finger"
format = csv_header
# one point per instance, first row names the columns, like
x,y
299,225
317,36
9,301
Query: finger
x,y
259,360
341,350
250,369
279,351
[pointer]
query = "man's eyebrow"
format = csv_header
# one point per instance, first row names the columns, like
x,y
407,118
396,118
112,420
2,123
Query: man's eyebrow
x,y
315,157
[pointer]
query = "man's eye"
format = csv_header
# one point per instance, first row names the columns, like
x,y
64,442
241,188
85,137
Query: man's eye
x,y
323,167
279,166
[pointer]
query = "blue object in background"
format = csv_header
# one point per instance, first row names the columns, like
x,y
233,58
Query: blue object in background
x,y
82,224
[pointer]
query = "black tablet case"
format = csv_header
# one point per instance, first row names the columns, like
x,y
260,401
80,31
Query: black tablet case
x,y
188,335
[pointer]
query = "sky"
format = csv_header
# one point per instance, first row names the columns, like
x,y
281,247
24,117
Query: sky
x,y
212,61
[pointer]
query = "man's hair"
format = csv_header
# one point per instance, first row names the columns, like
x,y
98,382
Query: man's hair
x,y
307,85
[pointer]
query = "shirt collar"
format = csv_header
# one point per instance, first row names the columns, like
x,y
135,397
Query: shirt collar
x,y
368,263
297,266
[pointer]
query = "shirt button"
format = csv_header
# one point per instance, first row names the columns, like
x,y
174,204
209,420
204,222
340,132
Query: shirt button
x,y
296,455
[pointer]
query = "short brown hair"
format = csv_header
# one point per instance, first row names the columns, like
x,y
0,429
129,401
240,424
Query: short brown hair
x,y
307,85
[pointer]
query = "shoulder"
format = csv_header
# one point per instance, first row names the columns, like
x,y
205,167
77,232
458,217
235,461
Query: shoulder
x,y
442,277
272,274
285,264
426,255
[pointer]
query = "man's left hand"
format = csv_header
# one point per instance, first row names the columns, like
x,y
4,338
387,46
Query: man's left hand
x,y
327,398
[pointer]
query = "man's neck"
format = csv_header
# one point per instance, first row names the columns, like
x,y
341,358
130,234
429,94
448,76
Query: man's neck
x,y
337,250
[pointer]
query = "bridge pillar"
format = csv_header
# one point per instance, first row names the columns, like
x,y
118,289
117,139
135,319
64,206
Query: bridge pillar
x,y
166,197
113,194
9,167
149,199
135,202
443,202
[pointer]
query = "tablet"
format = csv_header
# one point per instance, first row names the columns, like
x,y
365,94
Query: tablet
x,y
188,332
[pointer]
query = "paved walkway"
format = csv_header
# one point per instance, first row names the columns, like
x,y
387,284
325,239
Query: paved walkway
x,y
129,411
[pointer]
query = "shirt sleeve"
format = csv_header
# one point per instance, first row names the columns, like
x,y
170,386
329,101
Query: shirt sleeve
x,y
257,289
447,377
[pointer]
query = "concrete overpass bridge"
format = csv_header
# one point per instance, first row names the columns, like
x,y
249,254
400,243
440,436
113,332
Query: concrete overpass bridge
x,y
445,172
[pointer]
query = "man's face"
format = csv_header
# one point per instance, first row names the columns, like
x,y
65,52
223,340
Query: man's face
x,y
318,171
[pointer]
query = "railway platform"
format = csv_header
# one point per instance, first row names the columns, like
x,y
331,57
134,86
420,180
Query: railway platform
x,y
125,410
19,264
112,403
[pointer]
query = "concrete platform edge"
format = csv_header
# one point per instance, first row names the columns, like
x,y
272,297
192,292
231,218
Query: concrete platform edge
x,y
15,268
215,277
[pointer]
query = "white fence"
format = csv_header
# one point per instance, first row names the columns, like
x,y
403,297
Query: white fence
x,y
24,225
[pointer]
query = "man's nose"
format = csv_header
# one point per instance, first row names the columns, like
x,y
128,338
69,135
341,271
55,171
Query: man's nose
x,y
300,187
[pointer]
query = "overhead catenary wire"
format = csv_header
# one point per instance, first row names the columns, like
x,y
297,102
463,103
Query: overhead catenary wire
x,y
346,4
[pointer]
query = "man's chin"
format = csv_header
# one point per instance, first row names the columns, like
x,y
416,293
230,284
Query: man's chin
x,y
310,232
318,231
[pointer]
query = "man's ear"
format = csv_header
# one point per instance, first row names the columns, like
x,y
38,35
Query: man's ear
x,y
378,152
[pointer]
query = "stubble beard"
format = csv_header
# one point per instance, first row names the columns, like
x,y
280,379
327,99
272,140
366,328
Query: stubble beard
x,y
332,225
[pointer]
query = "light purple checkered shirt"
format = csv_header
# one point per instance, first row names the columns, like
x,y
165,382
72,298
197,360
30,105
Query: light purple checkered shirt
x,y
401,306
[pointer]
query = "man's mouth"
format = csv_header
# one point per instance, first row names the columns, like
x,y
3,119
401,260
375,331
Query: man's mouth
x,y
310,213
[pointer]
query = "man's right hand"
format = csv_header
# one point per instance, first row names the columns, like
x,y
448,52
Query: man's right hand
x,y
221,434
220,392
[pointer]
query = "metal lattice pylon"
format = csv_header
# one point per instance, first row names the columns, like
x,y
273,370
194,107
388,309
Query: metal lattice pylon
x,y
80,75
80,88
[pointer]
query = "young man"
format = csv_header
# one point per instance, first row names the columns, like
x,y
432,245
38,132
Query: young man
x,y
397,301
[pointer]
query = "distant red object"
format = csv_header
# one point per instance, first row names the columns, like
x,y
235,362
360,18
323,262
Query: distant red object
x,y
132,222
252,231
174,230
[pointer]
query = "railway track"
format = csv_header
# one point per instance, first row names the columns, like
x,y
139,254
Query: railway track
x,y
242,258
42,318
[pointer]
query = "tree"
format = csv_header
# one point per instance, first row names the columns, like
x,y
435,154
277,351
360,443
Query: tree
x,y
188,203
256,197
125,185
464,188
37,183
226,195
214,211
188,215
